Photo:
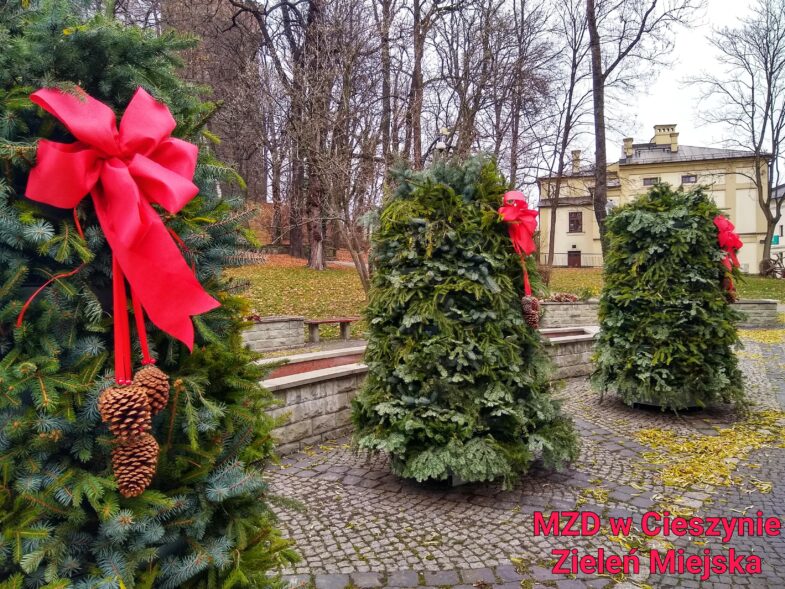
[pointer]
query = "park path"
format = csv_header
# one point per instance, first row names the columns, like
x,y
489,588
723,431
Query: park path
x,y
360,526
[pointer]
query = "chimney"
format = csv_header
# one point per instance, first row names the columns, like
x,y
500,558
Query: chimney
x,y
674,142
663,134
628,147
576,161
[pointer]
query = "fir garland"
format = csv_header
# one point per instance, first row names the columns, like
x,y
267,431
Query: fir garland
x,y
458,382
668,331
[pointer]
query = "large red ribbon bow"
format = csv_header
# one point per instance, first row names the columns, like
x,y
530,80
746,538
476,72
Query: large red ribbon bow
x,y
729,240
522,223
126,171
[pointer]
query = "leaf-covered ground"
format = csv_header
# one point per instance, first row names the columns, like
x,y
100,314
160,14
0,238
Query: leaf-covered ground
x,y
575,280
284,286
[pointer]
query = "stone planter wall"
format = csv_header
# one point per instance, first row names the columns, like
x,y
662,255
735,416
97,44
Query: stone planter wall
x,y
315,404
758,313
570,354
275,333
569,314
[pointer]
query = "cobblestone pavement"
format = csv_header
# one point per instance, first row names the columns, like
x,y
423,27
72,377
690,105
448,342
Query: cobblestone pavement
x,y
360,526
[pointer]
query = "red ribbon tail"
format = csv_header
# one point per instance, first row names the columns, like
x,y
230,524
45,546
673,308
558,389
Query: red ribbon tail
x,y
141,330
122,334
77,224
21,317
527,287
734,259
179,241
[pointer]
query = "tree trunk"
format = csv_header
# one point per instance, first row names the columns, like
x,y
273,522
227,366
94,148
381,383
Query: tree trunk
x,y
414,112
276,165
516,121
316,259
765,200
386,117
565,142
600,151
296,241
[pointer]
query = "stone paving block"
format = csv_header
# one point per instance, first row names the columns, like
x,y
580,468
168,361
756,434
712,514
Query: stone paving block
x,y
484,575
351,480
541,574
571,584
439,578
296,581
403,579
600,584
507,572
334,581
366,580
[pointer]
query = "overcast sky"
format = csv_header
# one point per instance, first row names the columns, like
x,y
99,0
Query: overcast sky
x,y
668,100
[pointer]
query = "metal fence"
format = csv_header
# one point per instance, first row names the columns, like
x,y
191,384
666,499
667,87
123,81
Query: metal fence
x,y
565,259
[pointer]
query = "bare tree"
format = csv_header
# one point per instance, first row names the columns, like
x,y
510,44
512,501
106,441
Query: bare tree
x,y
623,34
226,62
749,96
572,96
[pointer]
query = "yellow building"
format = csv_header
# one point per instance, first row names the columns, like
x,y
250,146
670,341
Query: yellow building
x,y
726,173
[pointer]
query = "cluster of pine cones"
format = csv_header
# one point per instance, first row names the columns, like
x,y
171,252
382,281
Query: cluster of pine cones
x,y
531,311
128,412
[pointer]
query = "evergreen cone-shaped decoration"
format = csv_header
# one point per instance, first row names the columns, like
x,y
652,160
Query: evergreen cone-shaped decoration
x,y
126,411
531,311
156,384
134,461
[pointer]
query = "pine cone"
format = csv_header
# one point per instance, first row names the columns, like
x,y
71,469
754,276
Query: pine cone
x,y
125,410
133,462
730,290
156,384
531,311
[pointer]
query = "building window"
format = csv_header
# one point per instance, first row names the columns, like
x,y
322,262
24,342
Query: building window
x,y
781,230
576,222
651,181
690,179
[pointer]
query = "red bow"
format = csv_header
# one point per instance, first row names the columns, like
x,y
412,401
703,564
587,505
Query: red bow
x,y
522,224
125,172
729,240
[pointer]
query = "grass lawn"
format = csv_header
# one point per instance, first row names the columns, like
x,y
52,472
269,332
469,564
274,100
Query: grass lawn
x,y
335,292
576,279
286,287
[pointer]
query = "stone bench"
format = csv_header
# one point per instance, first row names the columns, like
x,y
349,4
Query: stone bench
x,y
344,322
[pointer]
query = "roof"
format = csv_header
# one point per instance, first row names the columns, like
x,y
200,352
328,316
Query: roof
x,y
650,153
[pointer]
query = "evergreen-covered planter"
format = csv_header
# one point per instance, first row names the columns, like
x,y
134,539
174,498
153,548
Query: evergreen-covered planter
x,y
458,382
667,328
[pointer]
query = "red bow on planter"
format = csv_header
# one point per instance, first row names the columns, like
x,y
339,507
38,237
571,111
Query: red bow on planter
x,y
522,223
125,172
729,240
